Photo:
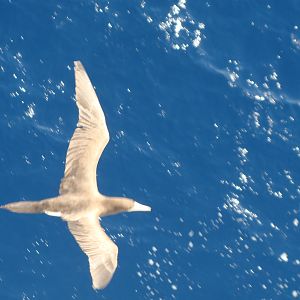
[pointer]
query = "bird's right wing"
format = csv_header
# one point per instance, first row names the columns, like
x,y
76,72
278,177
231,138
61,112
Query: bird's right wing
x,y
100,249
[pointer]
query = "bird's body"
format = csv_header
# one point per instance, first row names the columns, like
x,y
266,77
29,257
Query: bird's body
x,y
79,202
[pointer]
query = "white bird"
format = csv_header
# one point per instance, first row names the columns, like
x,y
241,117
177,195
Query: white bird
x,y
79,202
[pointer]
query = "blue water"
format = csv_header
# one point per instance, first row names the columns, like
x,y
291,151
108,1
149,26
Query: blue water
x,y
202,103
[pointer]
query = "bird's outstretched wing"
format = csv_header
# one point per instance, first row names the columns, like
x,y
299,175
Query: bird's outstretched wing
x,y
100,249
88,141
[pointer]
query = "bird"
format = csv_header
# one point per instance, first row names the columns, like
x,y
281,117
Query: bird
x,y
79,201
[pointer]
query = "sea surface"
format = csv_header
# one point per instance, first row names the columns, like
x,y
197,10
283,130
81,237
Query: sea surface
x,y
202,101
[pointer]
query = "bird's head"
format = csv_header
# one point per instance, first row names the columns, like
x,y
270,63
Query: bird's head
x,y
121,204
135,206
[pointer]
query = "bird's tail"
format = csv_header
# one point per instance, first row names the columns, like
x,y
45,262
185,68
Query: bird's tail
x,y
27,207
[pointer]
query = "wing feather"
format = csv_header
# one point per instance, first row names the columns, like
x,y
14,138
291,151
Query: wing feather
x,y
89,139
100,249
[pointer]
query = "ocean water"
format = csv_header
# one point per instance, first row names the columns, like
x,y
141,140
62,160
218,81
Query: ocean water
x,y
202,104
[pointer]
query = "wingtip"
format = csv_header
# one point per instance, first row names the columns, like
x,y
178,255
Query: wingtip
x,y
97,289
78,64
100,287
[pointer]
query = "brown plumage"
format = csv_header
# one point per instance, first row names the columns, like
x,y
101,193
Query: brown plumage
x,y
79,201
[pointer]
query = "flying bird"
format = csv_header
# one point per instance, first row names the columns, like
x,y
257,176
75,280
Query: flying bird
x,y
79,202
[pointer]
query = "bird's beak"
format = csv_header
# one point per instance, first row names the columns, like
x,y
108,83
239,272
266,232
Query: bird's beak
x,y
139,207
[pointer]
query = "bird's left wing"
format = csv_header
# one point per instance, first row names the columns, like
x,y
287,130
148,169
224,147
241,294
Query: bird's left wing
x,y
88,141
100,249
